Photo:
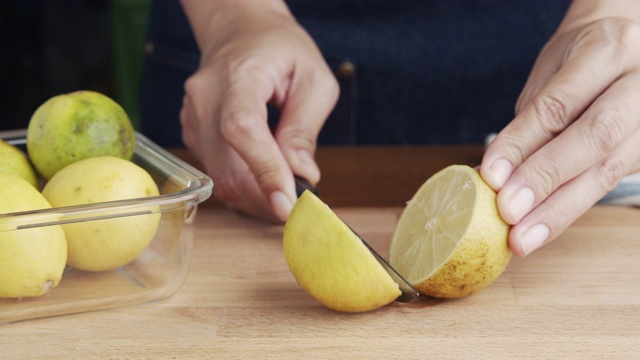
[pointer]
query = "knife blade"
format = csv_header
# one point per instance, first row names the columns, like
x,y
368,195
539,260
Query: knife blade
x,y
409,294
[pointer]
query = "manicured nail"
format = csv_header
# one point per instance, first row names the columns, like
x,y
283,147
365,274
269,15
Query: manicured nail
x,y
499,173
521,202
281,204
533,238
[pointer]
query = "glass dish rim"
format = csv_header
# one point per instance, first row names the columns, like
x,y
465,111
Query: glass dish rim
x,y
198,188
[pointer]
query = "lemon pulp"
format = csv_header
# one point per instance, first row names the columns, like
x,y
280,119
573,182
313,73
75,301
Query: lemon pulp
x,y
450,241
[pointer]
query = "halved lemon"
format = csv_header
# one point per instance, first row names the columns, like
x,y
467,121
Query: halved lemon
x,y
450,241
331,263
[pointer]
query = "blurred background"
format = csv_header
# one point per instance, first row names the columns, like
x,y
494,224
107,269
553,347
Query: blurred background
x,y
54,47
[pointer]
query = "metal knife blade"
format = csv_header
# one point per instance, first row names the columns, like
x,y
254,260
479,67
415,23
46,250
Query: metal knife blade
x,y
409,294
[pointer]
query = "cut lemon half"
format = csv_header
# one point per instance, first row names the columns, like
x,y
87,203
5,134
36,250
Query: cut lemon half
x,y
331,263
450,241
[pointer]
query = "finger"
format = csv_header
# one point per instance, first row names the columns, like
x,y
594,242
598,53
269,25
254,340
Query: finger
x,y
609,122
190,128
591,65
200,111
234,184
547,64
244,126
572,199
312,97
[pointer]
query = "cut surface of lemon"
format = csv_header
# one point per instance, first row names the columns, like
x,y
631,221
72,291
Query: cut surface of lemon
x,y
450,241
331,263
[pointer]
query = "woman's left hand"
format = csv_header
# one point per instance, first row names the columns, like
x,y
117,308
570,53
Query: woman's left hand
x,y
576,132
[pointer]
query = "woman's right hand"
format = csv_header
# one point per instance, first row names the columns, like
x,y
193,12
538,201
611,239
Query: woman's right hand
x,y
254,53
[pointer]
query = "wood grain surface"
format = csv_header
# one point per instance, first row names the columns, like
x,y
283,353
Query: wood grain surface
x,y
578,297
374,176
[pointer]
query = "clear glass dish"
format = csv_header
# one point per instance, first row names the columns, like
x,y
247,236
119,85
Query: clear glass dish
x,y
158,272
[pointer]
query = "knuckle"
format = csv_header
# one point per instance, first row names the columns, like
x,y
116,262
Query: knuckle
x,y
614,36
553,111
265,174
248,67
191,86
620,33
326,81
606,131
196,83
299,136
237,125
548,177
609,173
323,81
519,146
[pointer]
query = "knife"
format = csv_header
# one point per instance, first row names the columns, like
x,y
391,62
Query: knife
x,y
409,294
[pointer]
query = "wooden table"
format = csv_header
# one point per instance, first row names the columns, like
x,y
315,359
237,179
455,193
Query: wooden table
x,y
578,297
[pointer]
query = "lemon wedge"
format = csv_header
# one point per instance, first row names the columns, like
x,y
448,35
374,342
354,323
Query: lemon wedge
x,y
331,263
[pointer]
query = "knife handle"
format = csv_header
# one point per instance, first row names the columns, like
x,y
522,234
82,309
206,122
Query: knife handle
x,y
302,185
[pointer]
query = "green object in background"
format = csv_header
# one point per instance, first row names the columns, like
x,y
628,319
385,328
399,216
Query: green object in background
x,y
129,19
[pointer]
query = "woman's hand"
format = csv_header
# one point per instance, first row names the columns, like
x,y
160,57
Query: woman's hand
x,y
576,132
254,53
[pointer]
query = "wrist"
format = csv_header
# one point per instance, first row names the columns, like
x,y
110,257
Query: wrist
x,y
582,12
218,16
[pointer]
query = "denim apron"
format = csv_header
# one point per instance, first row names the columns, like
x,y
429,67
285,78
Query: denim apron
x,y
410,72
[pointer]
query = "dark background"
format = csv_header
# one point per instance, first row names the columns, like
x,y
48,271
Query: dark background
x,y
53,47
412,75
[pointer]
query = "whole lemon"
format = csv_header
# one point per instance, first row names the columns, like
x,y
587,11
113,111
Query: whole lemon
x,y
76,126
14,161
32,259
114,237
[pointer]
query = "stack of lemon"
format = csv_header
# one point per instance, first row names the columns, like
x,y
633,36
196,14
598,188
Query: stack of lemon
x,y
80,145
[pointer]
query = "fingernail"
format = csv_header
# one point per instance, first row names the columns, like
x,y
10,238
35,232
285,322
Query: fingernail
x,y
501,169
281,204
521,202
533,238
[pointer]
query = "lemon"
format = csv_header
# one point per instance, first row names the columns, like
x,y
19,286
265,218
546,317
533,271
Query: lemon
x,y
104,244
76,126
14,161
32,260
450,241
330,262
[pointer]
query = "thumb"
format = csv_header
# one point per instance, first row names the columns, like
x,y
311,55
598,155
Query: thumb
x,y
311,99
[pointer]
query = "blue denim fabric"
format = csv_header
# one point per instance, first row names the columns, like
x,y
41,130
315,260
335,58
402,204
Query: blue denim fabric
x,y
171,56
423,71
